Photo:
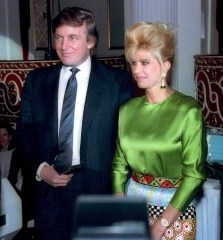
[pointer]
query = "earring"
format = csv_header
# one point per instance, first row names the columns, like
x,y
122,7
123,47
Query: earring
x,y
163,81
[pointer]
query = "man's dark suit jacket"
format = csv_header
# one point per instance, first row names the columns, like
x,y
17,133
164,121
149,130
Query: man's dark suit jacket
x,y
37,133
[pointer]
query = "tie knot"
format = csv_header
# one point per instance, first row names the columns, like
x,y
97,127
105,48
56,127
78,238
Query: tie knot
x,y
74,70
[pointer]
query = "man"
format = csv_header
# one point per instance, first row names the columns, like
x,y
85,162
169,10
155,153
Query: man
x,y
101,91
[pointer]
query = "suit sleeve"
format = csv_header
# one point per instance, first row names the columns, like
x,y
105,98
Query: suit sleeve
x,y
25,129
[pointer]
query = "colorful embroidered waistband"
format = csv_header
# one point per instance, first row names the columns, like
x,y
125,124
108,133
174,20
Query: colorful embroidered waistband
x,y
156,181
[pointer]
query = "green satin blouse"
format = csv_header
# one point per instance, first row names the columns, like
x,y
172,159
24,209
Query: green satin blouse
x,y
167,140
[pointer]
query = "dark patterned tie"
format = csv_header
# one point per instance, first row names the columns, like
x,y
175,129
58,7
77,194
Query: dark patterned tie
x,y
65,145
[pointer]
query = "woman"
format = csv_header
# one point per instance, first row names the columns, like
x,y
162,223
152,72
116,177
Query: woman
x,y
161,137
6,150
9,161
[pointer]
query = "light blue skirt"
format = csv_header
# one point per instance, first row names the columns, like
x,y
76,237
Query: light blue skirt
x,y
155,196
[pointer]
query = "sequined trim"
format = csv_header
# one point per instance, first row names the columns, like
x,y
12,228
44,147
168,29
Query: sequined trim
x,y
156,181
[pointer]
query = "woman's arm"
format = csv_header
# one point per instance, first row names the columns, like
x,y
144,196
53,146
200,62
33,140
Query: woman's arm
x,y
169,216
120,167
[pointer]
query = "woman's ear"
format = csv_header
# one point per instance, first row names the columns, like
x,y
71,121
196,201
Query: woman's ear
x,y
166,66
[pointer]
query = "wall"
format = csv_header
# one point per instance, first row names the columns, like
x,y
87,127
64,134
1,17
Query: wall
x,y
189,44
209,34
10,45
186,19
190,19
99,8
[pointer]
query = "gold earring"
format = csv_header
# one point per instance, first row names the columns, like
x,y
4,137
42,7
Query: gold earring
x,y
163,81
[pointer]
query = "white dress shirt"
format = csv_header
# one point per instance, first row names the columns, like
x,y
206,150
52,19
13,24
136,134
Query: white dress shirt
x,y
82,85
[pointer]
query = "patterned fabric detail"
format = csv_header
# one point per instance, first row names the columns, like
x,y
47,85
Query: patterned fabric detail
x,y
208,83
156,181
153,195
179,230
13,75
155,211
158,199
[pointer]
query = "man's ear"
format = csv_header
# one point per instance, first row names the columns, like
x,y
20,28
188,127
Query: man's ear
x,y
91,43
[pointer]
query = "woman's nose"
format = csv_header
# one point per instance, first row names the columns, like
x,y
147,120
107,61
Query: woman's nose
x,y
136,68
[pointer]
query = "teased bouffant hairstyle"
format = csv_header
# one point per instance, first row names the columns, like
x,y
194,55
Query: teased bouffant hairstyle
x,y
75,16
157,38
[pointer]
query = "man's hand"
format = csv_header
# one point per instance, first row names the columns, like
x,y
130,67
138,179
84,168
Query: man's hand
x,y
50,176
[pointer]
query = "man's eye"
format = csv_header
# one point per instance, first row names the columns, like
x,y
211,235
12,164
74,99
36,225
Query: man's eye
x,y
73,37
58,37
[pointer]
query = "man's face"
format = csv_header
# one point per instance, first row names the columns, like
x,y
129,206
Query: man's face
x,y
71,44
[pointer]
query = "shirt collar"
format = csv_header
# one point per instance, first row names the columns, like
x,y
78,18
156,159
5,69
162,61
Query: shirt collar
x,y
84,68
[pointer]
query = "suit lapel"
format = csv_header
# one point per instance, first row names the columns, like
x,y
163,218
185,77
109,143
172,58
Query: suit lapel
x,y
50,94
95,90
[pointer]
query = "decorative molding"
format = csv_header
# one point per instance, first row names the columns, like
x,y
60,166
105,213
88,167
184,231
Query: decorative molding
x,y
209,88
12,78
40,24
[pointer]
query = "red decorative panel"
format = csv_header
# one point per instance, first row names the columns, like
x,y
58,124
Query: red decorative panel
x,y
12,78
209,88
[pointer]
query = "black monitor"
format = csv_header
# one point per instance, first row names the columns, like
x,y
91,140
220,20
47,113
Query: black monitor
x,y
110,217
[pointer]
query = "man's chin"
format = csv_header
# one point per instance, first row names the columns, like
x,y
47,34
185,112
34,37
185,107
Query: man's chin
x,y
68,63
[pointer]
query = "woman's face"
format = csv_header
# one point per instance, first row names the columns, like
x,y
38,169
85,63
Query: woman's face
x,y
147,70
4,138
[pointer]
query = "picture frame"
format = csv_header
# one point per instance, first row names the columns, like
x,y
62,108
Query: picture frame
x,y
115,9
40,24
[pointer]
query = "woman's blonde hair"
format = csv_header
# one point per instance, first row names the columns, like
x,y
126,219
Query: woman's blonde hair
x,y
157,38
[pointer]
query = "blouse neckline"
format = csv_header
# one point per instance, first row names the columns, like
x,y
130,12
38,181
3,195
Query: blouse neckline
x,y
160,103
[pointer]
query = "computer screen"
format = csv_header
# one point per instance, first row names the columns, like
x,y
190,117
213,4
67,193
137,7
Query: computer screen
x,y
110,217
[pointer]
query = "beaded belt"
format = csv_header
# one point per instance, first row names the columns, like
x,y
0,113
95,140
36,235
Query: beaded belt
x,y
156,181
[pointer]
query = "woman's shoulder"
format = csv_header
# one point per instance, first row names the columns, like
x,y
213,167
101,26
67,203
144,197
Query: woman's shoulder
x,y
185,100
133,102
